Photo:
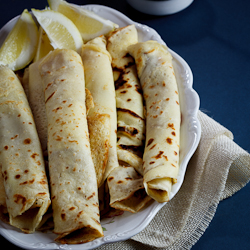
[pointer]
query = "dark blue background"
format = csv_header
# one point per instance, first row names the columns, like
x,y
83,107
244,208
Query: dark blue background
x,y
214,38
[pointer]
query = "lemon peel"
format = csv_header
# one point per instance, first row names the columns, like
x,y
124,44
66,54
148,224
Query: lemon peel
x,y
61,31
19,47
88,23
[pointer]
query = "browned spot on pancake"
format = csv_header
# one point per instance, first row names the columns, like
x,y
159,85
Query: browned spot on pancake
x,y
175,153
150,141
19,199
49,84
169,140
131,147
158,155
17,176
128,100
6,147
74,141
119,182
72,208
152,162
152,146
34,155
32,181
27,141
110,178
176,92
14,137
26,171
79,188
63,216
177,102
92,195
43,193
171,125
128,178
124,92
173,165
42,182
150,51
70,105
130,112
55,110
130,131
163,84
165,157
79,214
50,97
152,86
167,99
138,89
58,138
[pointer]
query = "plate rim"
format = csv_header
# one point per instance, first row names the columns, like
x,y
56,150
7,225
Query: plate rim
x,y
155,207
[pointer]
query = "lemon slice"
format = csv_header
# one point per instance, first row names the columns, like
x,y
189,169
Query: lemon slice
x,y
20,45
61,31
88,23
44,46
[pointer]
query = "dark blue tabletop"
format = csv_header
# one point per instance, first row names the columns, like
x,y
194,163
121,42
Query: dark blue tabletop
x,y
214,39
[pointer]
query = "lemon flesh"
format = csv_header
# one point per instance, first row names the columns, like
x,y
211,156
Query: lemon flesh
x,y
88,23
19,47
61,31
44,46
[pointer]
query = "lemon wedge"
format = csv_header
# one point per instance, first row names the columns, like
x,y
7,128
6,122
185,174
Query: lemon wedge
x,y
88,23
20,45
61,31
44,46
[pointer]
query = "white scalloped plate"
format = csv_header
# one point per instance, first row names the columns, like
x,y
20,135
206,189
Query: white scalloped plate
x,y
127,225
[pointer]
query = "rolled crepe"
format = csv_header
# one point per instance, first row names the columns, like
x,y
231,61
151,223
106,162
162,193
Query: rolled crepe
x,y
129,100
37,103
99,81
161,155
126,182
72,173
21,157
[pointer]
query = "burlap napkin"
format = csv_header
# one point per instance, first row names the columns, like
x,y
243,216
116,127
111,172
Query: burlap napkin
x,y
217,170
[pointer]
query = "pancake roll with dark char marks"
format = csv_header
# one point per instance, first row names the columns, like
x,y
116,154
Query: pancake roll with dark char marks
x,y
126,182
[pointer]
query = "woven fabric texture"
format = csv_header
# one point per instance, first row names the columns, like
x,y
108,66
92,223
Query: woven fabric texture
x,y
217,170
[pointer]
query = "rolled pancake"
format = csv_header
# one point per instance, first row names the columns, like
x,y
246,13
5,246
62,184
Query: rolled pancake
x,y
129,99
72,174
37,103
34,87
21,157
126,182
160,90
99,81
